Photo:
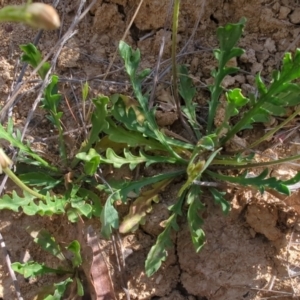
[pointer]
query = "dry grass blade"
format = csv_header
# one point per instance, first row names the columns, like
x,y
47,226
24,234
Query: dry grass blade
x,y
119,253
161,50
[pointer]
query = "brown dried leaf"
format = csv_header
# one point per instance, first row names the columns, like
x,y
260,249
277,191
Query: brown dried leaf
x,y
141,206
99,272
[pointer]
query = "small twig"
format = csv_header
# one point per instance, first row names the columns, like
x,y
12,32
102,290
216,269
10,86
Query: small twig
x,y
174,70
288,263
121,263
79,111
156,69
124,36
260,290
11,271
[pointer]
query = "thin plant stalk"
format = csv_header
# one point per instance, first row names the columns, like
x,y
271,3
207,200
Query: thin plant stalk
x,y
174,62
174,67
270,133
245,120
242,165
21,185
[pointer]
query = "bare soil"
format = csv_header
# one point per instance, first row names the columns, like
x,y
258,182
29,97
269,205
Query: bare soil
x,y
253,253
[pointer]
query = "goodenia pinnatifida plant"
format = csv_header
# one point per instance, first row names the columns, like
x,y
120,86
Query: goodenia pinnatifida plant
x,y
125,132
198,161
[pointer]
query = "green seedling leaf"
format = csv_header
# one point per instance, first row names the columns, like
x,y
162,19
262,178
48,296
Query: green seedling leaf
x,y
293,180
74,247
133,161
90,196
33,57
39,179
194,220
92,161
228,37
194,171
109,216
51,206
125,188
51,98
33,269
80,290
60,289
85,91
197,165
132,59
219,199
128,112
107,142
43,238
14,202
15,141
260,85
81,207
260,181
99,124
236,101
270,100
122,105
136,123
187,92
50,103
141,206
158,252
186,87
73,215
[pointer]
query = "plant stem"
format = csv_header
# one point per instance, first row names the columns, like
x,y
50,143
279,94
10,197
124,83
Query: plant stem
x,y
174,63
175,71
23,186
216,91
237,165
245,120
270,133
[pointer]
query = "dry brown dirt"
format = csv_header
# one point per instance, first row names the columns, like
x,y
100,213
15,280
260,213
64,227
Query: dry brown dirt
x,y
253,253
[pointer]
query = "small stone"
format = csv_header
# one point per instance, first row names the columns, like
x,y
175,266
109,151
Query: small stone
x,y
69,55
276,7
194,64
248,88
257,67
240,78
232,62
228,81
270,45
248,56
295,16
283,12
262,55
